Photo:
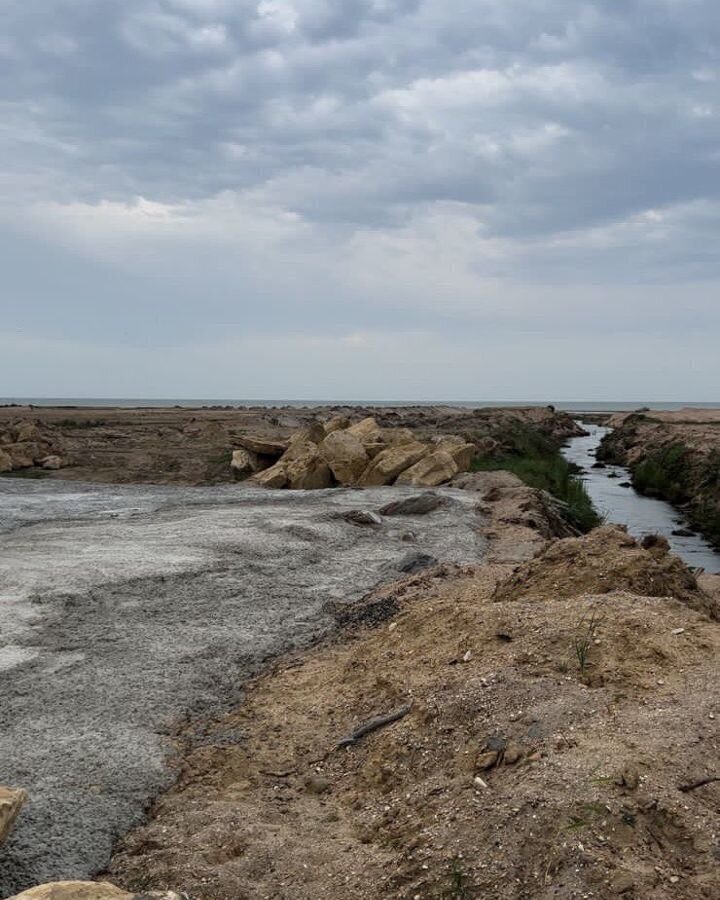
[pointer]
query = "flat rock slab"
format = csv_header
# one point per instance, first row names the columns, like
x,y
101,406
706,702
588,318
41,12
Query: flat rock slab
x,y
126,610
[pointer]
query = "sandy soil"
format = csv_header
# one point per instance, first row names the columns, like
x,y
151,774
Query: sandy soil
x,y
541,757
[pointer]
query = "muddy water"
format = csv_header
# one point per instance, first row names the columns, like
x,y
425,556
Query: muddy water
x,y
622,504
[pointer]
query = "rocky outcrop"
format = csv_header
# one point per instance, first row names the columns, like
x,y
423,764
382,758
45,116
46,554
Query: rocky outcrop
x,y
6,463
89,890
363,454
11,802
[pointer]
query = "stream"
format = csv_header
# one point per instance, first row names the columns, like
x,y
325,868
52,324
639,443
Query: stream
x,y
622,504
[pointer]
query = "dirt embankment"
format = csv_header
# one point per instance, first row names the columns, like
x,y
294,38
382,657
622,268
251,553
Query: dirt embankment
x,y
187,446
674,456
535,726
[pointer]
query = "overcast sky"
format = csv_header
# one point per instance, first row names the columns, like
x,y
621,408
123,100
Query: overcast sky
x,y
406,199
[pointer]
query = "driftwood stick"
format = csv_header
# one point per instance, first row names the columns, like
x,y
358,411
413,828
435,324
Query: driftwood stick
x,y
701,782
373,725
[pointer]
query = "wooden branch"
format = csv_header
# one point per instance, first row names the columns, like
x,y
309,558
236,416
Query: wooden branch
x,y
701,782
373,725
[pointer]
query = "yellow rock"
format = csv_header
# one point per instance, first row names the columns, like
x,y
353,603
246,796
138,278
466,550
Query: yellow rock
x,y
387,465
11,802
367,431
274,477
345,455
436,468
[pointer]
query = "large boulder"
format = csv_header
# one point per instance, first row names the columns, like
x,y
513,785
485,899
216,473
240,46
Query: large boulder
x,y
388,464
461,451
367,431
6,463
262,445
52,462
11,802
89,890
25,431
345,455
336,423
314,431
436,468
23,455
244,463
396,437
274,477
306,469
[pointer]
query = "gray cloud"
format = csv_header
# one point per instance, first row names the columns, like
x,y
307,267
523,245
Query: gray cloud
x,y
184,171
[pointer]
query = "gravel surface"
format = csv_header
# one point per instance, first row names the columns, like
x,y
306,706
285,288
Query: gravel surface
x,y
124,610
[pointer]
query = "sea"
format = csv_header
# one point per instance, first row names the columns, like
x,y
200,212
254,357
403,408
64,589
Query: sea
x,y
571,406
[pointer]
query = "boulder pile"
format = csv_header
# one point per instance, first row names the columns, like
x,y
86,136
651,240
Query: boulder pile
x,y
340,453
25,445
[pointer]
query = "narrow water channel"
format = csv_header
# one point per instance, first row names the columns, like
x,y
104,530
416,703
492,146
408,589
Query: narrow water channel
x,y
613,498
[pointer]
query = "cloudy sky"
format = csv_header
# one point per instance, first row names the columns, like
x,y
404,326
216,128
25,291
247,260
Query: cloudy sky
x,y
407,199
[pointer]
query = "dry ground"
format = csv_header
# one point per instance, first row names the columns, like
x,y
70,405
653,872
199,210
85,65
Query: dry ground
x,y
541,757
194,446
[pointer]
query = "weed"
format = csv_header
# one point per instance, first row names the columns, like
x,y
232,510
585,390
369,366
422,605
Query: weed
x,y
584,640
458,883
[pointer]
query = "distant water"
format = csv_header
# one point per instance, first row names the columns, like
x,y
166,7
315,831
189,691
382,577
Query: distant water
x,y
156,403
613,497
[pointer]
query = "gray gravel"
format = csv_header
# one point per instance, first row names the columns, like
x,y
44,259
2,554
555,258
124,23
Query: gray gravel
x,y
124,610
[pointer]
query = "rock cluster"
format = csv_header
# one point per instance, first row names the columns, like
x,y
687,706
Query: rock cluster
x,y
25,445
362,454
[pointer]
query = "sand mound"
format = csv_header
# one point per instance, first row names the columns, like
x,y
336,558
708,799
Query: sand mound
x,y
607,559
518,772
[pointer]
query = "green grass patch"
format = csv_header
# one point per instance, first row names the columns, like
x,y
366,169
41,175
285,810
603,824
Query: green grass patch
x,y
662,473
548,472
